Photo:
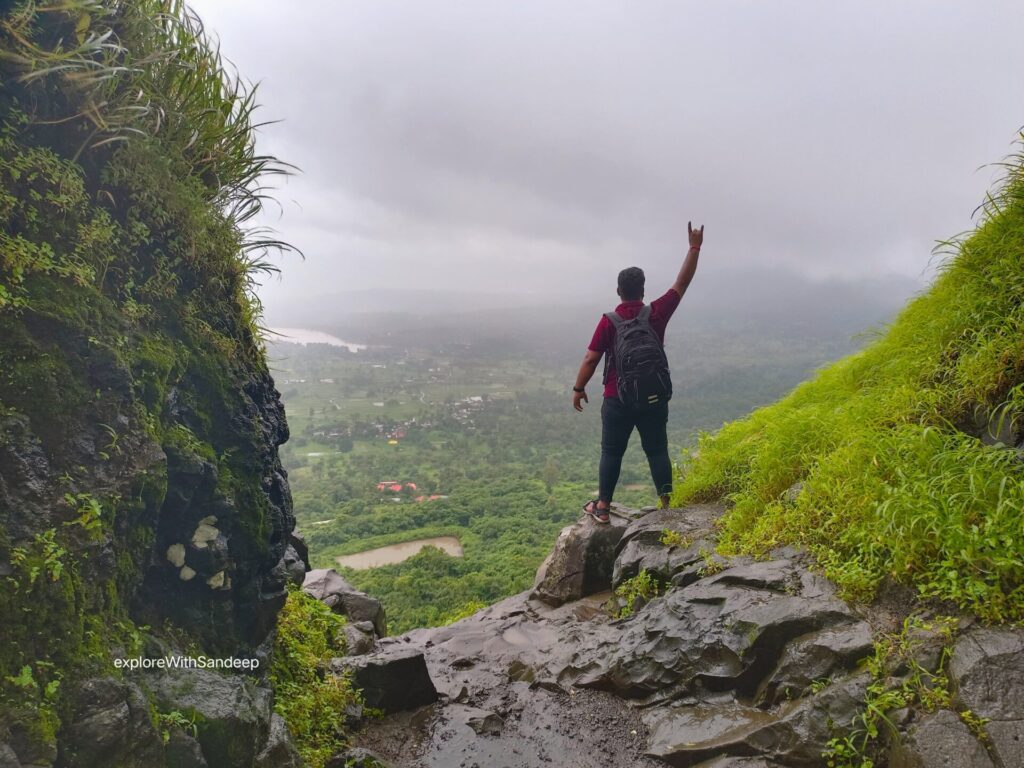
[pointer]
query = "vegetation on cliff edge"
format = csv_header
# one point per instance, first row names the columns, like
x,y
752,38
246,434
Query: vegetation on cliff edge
x,y
904,451
315,702
128,183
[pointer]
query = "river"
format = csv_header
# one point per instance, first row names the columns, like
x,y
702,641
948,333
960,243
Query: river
x,y
396,553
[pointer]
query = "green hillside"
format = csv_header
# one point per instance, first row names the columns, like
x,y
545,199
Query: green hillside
x,y
905,450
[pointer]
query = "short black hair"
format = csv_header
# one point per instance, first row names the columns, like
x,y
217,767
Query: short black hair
x,y
631,284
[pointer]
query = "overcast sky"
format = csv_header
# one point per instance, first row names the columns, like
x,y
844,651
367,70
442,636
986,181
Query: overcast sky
x,y
513,146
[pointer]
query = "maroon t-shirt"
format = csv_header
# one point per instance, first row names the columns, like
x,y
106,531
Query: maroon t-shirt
x,y
604,335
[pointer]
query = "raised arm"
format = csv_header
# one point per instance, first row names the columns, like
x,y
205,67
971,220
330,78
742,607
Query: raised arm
x,y
689,268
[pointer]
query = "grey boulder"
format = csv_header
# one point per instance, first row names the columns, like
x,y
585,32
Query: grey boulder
x,y
392,679
581,562
294,566
183,751
328,586
279,751
359,638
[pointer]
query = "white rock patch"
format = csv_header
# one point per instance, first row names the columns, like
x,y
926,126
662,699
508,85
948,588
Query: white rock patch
x,y
204,533
176,554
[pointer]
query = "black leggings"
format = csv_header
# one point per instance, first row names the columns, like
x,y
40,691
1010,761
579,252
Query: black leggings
x,y
617,422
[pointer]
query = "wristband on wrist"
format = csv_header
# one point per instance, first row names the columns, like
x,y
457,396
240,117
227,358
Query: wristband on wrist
x,y
578,389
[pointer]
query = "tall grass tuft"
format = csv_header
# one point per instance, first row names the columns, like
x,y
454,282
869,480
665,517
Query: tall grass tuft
x,y
896,483
115,70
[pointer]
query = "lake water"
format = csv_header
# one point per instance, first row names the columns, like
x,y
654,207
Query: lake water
x,y
307,336
396,553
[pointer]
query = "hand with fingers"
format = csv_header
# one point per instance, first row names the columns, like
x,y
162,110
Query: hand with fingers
x,y
578,398
696,235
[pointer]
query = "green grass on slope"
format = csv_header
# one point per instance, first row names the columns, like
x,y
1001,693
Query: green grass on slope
x,y
891,486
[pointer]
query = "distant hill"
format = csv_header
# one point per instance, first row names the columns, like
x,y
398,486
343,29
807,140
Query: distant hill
x,y
762,303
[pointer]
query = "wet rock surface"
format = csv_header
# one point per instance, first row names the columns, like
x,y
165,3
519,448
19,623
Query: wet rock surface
x,y
581,562
111,726
940,740
725,632
234,721
987,671
392,679
716,671
640,547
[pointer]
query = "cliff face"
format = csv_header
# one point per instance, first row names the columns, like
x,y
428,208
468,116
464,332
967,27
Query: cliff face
x,y
192,507
143,507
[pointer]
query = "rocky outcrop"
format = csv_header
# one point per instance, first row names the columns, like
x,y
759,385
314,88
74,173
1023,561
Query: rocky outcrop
x,y
220,720
640,548
209,572
581,562
727,632
327,586
189,549
743,666
735,664
142,499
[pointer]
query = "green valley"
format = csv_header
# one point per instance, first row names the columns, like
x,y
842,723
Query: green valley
x,y
475,439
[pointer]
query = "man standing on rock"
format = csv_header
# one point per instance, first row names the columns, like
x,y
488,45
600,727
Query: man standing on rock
x,y
637,387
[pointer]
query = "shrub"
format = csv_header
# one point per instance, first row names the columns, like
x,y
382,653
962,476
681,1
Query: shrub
x,y
312,700
641,587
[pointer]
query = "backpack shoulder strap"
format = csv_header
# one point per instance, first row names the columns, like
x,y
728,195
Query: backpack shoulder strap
x,y
616,321
614,318
645,314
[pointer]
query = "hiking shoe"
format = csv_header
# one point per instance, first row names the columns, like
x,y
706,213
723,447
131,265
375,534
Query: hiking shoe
x,y
599,515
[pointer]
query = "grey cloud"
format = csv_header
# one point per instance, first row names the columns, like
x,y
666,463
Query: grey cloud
x,y
493,139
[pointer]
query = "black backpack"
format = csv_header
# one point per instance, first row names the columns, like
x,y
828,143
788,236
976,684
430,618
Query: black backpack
x,y
639,360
